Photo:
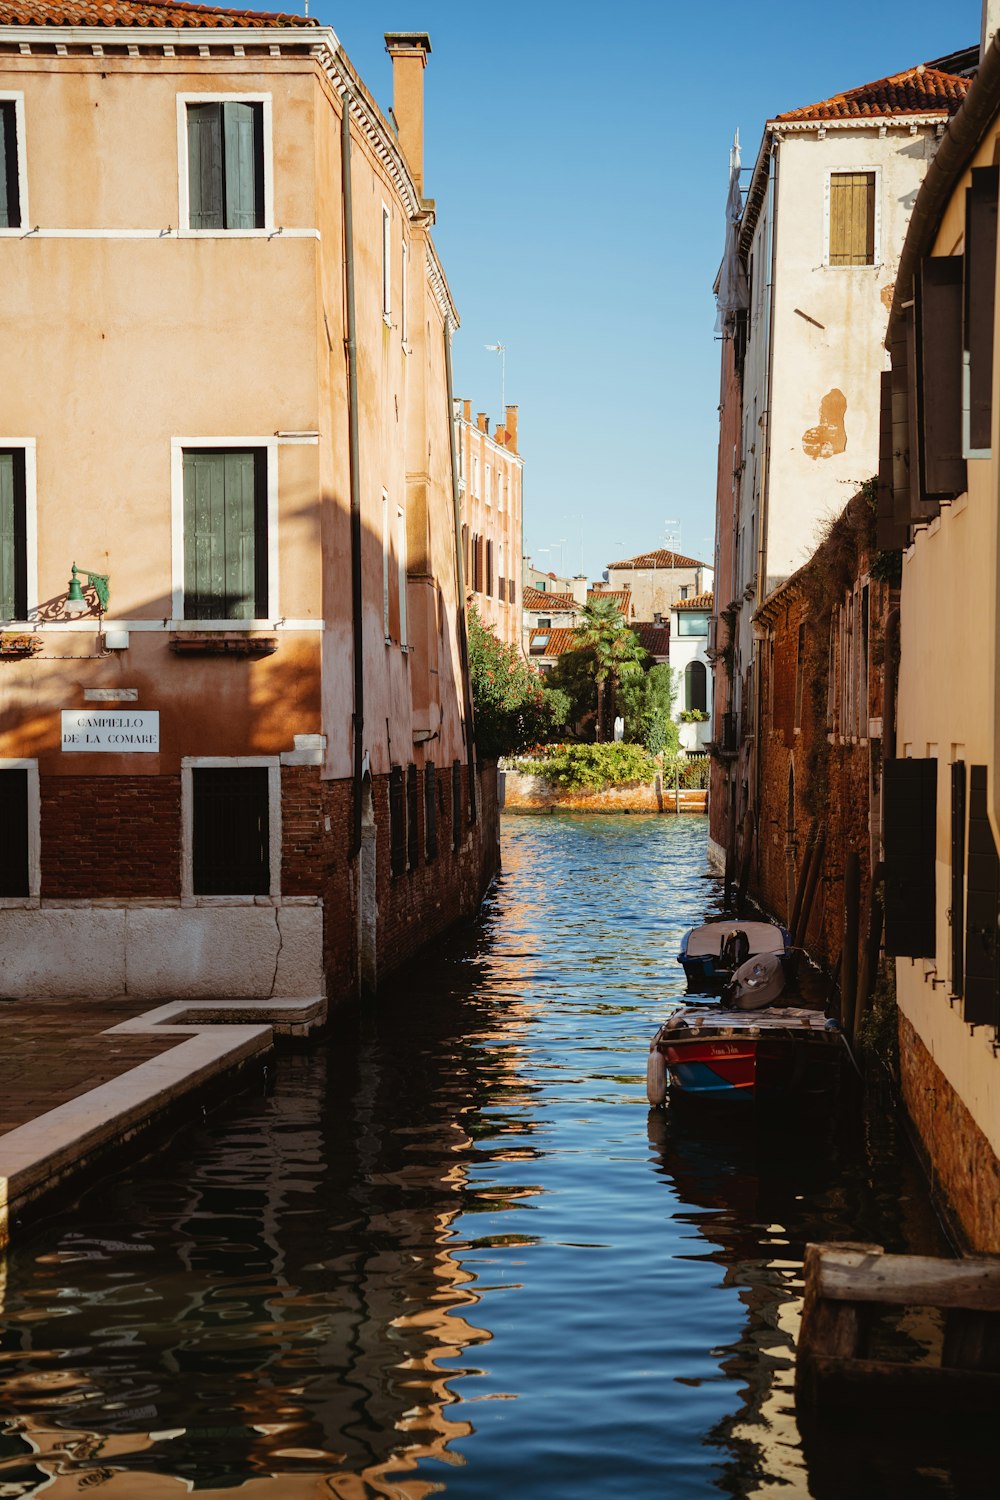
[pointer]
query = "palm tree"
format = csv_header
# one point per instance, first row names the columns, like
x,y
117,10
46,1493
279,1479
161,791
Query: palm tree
x,y
613,648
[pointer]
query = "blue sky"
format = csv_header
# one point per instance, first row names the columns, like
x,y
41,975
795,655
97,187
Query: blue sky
x,y
578,155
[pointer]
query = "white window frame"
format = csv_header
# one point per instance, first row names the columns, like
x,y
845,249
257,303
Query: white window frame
x,y
177,447
403,296
475,474
401,573
385,567
29,449
33,898
191,763
853,171
236,96
16,96
386,265
502,482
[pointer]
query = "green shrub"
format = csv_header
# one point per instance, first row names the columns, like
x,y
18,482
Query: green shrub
x,y
590,767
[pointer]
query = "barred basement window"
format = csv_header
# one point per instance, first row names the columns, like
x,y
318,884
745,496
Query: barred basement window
x,y
456,804
226,165
397,821
230,831
412,818
14,833
430,812
852,218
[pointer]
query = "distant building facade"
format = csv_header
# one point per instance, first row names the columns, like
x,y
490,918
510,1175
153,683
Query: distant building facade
x,y
490,476
656,580
692,670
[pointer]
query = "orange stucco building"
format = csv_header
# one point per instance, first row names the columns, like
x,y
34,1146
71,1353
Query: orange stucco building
x,y
490,477
235,748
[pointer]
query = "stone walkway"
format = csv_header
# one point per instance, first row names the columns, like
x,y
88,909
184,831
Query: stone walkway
x,y
53,1051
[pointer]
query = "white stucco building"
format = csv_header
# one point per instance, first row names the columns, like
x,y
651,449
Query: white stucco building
x,y
689,624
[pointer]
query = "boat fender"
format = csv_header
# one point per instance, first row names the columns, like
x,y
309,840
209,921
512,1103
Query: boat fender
x,y
656,1077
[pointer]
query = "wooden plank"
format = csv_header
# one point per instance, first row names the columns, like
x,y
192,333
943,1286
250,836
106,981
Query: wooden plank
x,y
865,1274
927,1388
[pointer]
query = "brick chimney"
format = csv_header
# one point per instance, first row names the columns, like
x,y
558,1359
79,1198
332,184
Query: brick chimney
x,y
510,427
467,410
482,422
409,51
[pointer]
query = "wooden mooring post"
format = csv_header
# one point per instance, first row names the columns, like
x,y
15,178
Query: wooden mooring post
x,y
846,1285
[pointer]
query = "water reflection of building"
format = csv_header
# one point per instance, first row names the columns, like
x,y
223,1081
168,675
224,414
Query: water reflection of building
x,y
288,1317
757,1195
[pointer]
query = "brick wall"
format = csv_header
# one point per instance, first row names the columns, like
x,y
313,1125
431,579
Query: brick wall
x,y
110,837
961,1160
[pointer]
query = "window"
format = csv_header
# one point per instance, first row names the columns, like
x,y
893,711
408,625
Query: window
x,y
977,320
685,590
231,834
412,817
489,486
544,624
225,164
475,474
909,799
692,622
385,566
852,219
983,904
12,187
13,536
403,321
956,916
386,265
14,826
539,643
502,482
501,576
401,572
695,687
225,534
489,567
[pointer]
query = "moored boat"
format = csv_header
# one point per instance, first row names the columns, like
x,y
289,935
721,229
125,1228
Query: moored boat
x,y
782,1055
711,953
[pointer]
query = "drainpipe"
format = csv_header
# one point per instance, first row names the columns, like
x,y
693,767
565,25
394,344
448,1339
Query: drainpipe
x,y
463,635
765,488
889,697
358,717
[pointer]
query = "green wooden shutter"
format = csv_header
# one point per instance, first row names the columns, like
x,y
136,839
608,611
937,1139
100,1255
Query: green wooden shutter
x,y
225,570
205,177
980,292
244,160
909,794
939,392
13,549
957,914
10,202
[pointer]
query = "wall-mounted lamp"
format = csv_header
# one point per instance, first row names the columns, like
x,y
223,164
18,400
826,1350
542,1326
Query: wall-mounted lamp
x,y
76,603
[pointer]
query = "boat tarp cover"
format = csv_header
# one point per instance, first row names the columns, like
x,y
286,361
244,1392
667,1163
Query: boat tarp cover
x,y
763,937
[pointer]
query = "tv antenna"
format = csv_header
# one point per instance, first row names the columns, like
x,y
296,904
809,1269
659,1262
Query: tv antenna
x,y
672,536
501,349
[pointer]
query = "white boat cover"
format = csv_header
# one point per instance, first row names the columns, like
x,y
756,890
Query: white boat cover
x,y
763,937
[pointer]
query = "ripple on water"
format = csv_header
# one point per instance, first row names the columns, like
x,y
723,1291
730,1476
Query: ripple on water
x,y
453,1250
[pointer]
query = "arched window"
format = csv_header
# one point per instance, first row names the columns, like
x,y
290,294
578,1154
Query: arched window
x,y
695,688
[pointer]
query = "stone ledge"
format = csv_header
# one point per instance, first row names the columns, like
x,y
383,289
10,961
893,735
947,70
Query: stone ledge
x,y
215,1040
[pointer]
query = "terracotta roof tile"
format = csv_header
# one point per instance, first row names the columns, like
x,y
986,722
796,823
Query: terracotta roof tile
x,y
700,601
663,558
918,91
653,638
167,13
558,642
542,599
622,597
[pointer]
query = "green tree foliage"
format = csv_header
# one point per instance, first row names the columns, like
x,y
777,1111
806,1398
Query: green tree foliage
x,y
573,678
512,707
590,767
614,653
646,703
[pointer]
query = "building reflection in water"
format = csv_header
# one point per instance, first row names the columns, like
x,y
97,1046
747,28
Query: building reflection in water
x,y
286,1317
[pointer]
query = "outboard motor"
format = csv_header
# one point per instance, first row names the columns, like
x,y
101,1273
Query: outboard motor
x,y
756,983
735,949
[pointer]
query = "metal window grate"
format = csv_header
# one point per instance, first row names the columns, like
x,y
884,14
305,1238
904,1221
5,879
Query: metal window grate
x,y
14,833
430,812
231,832
397,822
412,818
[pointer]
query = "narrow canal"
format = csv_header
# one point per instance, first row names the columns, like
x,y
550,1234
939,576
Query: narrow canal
x,y
453,1251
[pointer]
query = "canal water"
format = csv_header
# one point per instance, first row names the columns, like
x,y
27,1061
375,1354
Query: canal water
x,y
454,1252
